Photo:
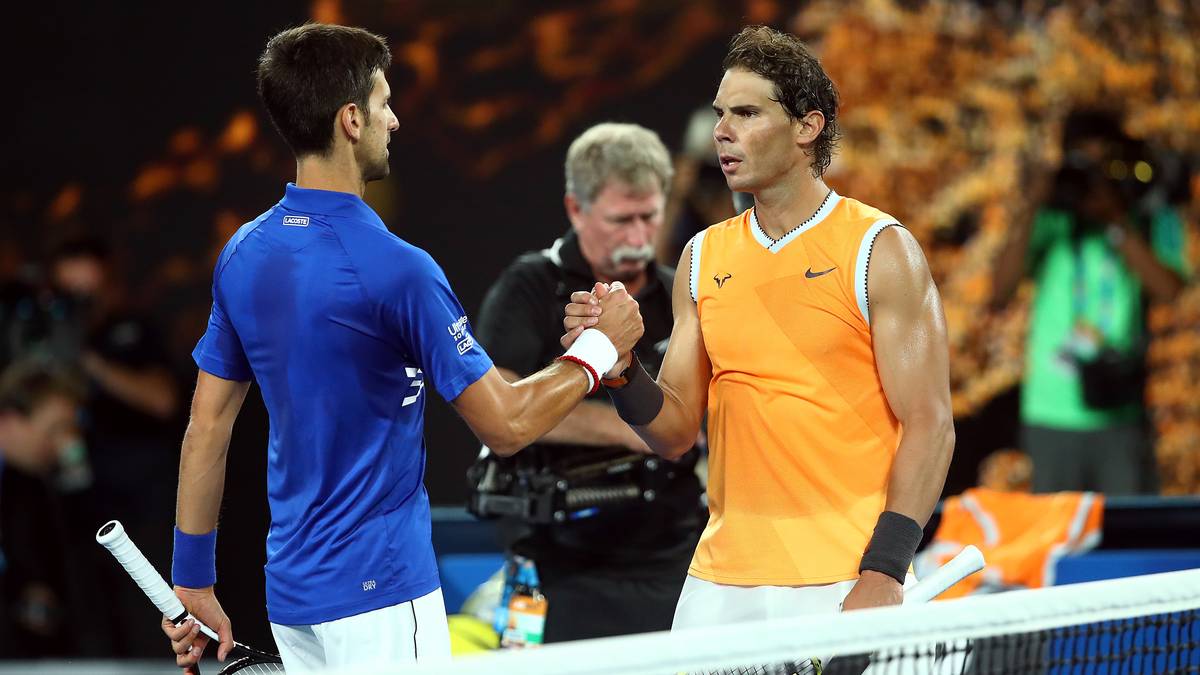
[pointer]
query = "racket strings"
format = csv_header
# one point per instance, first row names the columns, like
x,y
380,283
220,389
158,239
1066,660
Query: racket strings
x,y
252,666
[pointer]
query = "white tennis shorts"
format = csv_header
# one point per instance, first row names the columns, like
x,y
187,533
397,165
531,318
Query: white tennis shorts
x,y
410,632
705,603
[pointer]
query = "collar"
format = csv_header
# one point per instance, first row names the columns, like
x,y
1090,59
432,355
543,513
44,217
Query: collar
x,y
325,202
775,245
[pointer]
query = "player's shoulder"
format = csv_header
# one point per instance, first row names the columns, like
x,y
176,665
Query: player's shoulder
x,y
384,261
723,232
734,224
854,212
381,243
240,239
875,229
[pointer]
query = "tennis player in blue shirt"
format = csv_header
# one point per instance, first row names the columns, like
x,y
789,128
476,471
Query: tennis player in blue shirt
x,y
344,325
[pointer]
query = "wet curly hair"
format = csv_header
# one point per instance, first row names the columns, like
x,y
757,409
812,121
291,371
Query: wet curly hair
x,y
801,84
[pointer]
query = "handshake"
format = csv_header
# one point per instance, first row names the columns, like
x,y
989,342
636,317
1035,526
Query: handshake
x,y
610,310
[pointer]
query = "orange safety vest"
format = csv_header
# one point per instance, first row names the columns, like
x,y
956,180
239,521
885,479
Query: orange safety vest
x,y
1022,536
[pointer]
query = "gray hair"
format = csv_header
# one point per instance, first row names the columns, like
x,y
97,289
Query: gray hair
x,y
629,153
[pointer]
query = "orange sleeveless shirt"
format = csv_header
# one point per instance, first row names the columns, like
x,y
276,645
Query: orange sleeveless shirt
x,y
801,437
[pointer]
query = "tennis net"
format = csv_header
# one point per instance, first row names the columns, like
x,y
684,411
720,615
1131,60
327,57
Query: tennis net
x,y
1140,625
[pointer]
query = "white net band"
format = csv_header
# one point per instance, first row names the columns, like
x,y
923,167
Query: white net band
x,y
899,629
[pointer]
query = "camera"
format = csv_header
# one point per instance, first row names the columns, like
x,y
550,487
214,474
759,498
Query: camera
x,y
41,325
566,489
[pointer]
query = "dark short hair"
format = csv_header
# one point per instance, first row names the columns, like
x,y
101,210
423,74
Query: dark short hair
x,y
801,84
26,385
307,73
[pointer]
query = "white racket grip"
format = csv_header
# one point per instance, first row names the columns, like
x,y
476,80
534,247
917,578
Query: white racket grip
x,y
967,562
112,536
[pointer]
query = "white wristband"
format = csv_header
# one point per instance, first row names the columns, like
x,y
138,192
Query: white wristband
x,y
595,349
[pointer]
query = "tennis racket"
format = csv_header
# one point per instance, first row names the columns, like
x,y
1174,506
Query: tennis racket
x,y
245,660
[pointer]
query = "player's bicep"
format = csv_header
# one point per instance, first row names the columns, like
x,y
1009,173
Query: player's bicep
x,y
484,404
908,329
508,416
217,400
220,349
686,370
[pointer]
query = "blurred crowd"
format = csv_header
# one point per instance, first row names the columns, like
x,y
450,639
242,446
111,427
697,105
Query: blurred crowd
x,y
965,120
956,116
1046,154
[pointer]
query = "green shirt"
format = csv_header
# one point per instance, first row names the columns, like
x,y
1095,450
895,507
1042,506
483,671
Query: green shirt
x,y
1109,298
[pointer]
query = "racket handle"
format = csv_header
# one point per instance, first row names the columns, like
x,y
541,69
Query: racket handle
x,y
967,562
112,536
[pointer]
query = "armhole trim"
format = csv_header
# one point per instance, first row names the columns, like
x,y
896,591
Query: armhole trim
x,y
694,280
862,263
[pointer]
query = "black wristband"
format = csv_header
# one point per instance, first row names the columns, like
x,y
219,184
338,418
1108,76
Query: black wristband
x,y
892,546
640,400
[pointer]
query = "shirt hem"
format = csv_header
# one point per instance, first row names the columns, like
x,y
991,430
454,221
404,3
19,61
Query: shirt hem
x,y
769,580
315,615
221,369
459,384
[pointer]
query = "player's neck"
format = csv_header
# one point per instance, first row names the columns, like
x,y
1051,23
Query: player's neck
x,y
781,207
334,173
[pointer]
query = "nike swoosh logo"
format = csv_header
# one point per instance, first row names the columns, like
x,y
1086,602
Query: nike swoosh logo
x,y
809,274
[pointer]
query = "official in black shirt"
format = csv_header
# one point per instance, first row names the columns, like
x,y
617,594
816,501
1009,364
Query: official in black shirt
x,y
616,568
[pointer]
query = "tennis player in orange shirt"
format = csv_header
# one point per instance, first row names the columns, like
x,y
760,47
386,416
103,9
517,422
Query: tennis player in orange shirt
x,y
811,331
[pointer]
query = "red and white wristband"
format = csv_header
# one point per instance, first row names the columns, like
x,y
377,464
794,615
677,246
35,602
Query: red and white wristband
x,y
595,352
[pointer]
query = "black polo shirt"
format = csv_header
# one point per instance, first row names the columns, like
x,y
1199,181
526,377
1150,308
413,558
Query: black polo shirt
x,y
520,324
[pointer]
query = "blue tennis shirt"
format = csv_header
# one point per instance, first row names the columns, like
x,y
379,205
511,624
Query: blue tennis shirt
x,y
343,325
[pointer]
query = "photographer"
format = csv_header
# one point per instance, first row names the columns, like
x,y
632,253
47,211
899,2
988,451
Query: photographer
x,y
607,566
38,410
1094,242
130,412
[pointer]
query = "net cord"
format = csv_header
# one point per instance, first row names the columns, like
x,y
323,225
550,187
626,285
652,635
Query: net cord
x,y
854,632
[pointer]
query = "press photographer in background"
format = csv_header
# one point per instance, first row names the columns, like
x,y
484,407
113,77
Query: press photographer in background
x,y
78,320
1100,241
610,526
38,413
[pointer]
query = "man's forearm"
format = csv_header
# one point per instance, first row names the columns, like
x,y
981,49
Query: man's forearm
x,y
593,423
590,423
673,432
201,478
919,469
657,413
916,480
518,414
